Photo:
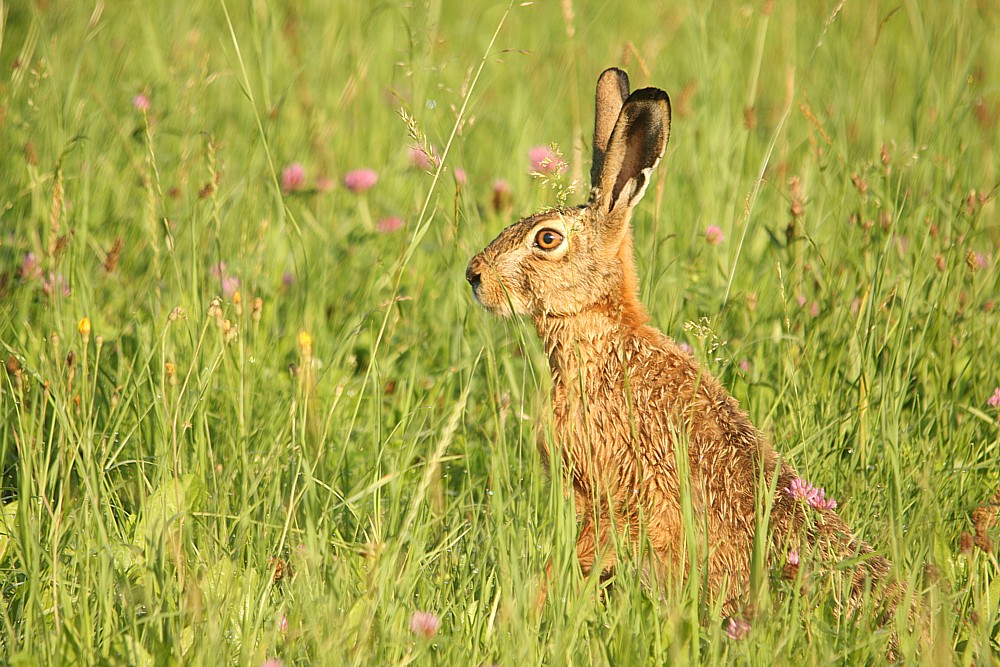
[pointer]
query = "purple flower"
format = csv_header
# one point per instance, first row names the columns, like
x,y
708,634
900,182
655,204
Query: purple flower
x,y
360,180
424,624
229,286
56,284
744,365
287,279
737,628
390,224
793,557
30,267
994,400
799,489
141,103
293,178
502,198
422,159
544,160
714,235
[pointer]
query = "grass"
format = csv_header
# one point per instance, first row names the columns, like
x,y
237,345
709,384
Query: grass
x,y
233,483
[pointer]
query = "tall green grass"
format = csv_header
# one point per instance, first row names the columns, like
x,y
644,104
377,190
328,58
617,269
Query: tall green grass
x,y
200,484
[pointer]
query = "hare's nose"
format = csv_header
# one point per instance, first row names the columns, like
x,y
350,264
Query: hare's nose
x,y
473,277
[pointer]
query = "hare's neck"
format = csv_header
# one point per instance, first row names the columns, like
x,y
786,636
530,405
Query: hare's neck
x,y
580,345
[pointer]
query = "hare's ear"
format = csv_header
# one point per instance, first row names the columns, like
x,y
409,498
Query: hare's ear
x,y
612,89
634,149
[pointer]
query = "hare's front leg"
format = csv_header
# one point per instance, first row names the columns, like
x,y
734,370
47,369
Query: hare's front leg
x,y
594,546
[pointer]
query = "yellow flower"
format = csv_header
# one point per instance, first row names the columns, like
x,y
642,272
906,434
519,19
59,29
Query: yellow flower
x,y
305,344
84,328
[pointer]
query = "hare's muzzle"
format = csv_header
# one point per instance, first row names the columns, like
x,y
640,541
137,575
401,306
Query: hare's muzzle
x,y
472,276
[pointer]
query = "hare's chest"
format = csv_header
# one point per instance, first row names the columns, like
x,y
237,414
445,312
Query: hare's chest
x,y
600,436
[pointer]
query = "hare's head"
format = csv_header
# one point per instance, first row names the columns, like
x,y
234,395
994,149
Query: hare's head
x,y
561,262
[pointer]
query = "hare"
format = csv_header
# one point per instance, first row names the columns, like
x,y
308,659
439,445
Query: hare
x,y
627,401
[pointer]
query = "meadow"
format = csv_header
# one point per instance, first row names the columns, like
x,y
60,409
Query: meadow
x,y
251,415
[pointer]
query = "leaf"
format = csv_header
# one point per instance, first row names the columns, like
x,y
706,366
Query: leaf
x,y
8,520
165,506
128,558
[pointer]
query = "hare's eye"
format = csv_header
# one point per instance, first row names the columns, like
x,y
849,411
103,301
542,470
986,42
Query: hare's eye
x,y
548,239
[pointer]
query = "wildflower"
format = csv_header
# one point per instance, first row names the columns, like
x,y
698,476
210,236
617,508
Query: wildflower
x,y
744,365
55,283
293,178
141,103
215,308
288,279
272,662
176,314
171,373
84,328
800,489
502,199
305,344
544,160
814,309
238,302
283,624
230,285
801,300
422,158
994,400
461,178
30,267
714,235
390,224
424,624
360,180
737,628
791,568
229,331
325,183
685,348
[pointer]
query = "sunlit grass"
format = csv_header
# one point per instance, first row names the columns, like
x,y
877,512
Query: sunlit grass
x,y
249,410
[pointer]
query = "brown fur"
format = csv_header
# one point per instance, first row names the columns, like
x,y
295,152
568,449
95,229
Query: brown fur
x,y
626,399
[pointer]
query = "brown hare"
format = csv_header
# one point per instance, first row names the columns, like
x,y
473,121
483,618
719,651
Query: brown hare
x,y
626,400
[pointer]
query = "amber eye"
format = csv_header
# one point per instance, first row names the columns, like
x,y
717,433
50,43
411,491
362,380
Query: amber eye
x,y
548,239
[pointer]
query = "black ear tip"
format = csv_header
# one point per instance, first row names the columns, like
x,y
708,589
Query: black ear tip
x,y
646,98
649,95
